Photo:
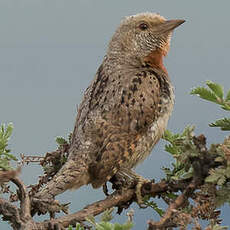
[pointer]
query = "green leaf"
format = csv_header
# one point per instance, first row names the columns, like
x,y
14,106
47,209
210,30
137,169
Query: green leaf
x,y
104,226
216,89
5,155
9,130
168,135
218,227
205,94
91,220
127,226
212,178
107,215
78,227
154,206
171,196
228,96
61,141
225,106
219,159
221,180
188,175
171,149
227,172
224,124
9,156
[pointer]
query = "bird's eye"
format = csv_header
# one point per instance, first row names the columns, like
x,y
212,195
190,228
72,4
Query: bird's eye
x,y
143,26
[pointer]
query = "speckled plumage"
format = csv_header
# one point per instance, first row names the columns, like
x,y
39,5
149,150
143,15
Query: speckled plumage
x,y
125,109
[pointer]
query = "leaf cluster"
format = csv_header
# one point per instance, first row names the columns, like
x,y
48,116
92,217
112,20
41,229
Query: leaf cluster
x,y
55,160
215,93
105,224
150,203
61,141
182,148
221,174
5,155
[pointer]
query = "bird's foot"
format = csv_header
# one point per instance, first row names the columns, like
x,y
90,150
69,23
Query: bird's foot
x,y
133,178
140,182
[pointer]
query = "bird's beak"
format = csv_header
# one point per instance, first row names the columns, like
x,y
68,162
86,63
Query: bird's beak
x,y
169,25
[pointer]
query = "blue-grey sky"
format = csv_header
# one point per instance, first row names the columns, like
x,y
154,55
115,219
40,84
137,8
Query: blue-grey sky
x,y
51,49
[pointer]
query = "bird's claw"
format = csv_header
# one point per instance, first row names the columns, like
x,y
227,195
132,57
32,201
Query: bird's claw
x,y
139,197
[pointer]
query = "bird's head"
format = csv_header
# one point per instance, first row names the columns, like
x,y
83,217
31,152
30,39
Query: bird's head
x,y
140,35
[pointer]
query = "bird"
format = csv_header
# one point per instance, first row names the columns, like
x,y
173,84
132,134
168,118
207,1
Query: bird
x,y
125,109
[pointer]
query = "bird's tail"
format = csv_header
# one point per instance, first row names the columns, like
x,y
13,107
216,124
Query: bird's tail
x,y
72,175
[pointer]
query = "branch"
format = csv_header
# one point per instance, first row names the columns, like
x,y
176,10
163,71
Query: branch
x,y
19,218
24,198
10,213
200,172
115,199
180,200
6,176
121,199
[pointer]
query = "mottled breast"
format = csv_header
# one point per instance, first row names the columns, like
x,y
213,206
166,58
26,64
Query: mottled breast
x,y
133,105
158,126
164,102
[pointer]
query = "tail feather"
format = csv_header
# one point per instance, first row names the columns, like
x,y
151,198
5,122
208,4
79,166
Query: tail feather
x,y
70,176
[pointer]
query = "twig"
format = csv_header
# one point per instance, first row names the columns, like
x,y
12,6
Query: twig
x,y
30,159
24,198
180,200
118,199
10,213
96,208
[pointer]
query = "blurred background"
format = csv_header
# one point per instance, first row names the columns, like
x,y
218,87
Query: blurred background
x,y
51,49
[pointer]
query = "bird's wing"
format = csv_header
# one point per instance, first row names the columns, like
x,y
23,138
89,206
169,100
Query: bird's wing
x,y
121,109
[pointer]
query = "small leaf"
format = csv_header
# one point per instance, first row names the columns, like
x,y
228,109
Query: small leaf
x,y
187,175
225,106
227,172
171,149
61,141
104,226
218,227
171,196
221,180
91,220
224,124
71,228
167,135
205,94
9,130
127,226
228,96
216,88
219,159
78,226
154,206
107,215
213,178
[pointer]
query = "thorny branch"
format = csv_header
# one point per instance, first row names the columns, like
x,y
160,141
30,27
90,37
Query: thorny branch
x,y
24,198
121,199
20,218
180,200
10,213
